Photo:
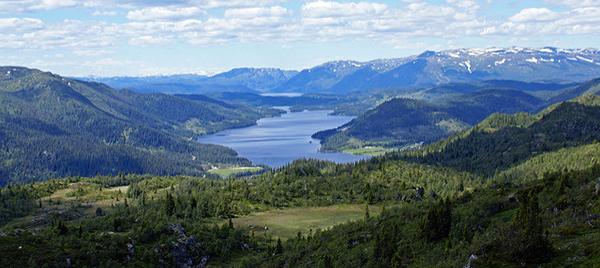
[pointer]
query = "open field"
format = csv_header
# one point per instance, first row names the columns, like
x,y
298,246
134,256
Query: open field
x,y
75,200
374,151
286,223
226,172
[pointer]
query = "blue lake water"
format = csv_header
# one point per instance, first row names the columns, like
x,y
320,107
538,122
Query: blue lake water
x,y
279,140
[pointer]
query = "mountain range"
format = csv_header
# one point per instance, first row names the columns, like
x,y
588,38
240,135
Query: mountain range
x,y
427,69
236,80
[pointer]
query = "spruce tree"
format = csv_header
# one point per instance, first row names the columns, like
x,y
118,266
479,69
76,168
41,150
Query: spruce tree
x,y
533,246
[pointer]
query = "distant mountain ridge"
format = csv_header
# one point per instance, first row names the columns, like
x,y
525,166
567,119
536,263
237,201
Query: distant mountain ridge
x,y
426,69
449,66
236,80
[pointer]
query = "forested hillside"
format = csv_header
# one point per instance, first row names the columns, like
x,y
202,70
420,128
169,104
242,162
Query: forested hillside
x,y
51,127
400,122
502,141
440,206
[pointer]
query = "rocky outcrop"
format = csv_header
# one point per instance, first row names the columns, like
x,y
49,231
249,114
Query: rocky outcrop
x,y
185,251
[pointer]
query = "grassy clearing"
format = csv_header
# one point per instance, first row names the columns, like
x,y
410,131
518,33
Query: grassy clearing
x,y
374,151
286,223
76,200
226,172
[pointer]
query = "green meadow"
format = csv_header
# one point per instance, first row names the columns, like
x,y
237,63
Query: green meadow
x,y
285,224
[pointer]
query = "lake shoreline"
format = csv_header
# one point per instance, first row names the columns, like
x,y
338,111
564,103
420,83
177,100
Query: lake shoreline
x,y
276,141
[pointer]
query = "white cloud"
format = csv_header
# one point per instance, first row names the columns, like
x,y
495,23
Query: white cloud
x,y
64,34
214,4
164,14
573,3
417,45
45,63
544,22
20,24
321,9
148,40
92,53
57,55
464,5
255,12
54,4
104,13
535,14
22,6
252,21
328,21
110,62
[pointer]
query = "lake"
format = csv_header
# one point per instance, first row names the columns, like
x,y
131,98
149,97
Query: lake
x,y
277,141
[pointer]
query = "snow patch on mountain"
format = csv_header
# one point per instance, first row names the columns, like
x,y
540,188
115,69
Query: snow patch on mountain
x,y
585,59
499,62
467,64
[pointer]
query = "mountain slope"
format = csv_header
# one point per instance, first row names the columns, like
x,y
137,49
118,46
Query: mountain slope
x,y
52,126
257,79
235,80
406,121
476,106
450,66
318,78
501,141
591,87
445,92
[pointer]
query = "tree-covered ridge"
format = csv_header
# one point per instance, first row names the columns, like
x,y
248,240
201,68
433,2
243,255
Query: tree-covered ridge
x,y
160,111
408,121
446,109
53,127
516,138
397,118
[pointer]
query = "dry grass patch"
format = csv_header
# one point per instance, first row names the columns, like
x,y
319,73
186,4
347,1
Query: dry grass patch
x,y
287,223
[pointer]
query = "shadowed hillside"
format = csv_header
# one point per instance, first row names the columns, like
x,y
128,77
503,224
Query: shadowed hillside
x,y
53,126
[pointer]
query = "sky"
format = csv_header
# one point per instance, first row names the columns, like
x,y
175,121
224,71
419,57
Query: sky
x,y
162,37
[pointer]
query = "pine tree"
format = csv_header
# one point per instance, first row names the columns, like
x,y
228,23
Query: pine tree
x,y
437,223
533,247
169,205
278,247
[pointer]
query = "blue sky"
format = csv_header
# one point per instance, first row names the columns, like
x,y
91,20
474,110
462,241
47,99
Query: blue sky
x,y
153,37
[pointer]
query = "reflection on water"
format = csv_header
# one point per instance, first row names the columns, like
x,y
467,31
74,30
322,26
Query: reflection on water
x,y
279,140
